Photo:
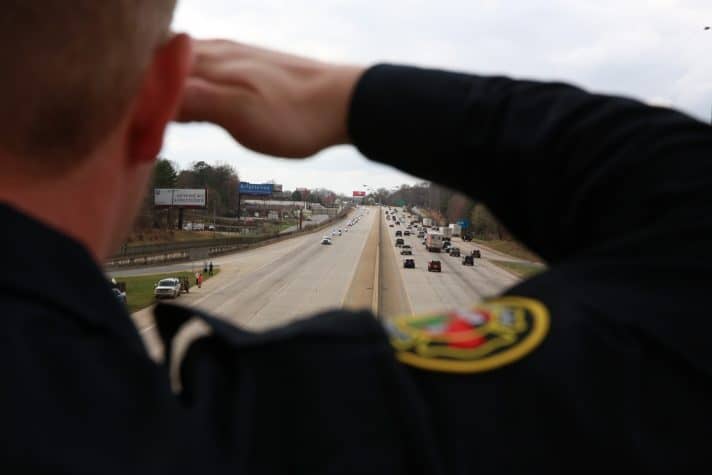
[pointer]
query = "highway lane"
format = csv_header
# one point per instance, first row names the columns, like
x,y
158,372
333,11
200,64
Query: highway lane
x,y
455,286
239,258
276,284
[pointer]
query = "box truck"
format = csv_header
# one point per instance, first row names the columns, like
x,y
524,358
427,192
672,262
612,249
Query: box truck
x,y
434,242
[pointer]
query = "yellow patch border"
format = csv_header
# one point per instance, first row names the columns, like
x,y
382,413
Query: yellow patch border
x,y
540,328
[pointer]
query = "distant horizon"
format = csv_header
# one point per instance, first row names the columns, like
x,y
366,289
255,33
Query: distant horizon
x,y
654,51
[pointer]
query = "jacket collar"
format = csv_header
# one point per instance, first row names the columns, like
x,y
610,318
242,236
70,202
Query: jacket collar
x,y
52,270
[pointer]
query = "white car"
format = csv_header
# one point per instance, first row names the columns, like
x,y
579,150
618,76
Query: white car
x,y
326,240
169,288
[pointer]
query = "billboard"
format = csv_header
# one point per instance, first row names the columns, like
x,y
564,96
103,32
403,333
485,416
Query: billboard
x,y
255,189
359,194
183,198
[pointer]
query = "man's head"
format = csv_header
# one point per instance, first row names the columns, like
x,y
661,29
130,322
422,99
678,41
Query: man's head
x,y
87,89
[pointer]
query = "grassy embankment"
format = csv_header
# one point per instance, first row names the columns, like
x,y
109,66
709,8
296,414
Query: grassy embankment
x,y
163,237
139,290
169,236
515,249
522,269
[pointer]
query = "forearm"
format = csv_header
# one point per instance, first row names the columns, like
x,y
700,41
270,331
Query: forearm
x,y
564,169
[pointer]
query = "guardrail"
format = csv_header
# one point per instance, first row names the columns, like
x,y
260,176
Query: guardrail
x,y
151,254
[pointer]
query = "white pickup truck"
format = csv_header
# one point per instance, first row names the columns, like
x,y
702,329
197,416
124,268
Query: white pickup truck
x,y
167,288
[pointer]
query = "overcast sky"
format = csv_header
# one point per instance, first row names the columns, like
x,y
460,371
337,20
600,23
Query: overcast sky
x,y
654,50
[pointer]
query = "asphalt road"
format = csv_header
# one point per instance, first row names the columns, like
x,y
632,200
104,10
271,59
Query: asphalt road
x,y
456,286
275,284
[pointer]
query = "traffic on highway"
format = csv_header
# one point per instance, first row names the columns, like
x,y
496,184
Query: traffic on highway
x,y
296,277
439,270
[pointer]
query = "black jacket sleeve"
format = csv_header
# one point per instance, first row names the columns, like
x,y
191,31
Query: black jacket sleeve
x,y
567,171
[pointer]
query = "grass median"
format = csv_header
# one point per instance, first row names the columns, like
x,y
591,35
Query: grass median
x,y
139,290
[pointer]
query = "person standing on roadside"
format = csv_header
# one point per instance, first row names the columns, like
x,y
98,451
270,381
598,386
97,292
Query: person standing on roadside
x,y
210,268
200,279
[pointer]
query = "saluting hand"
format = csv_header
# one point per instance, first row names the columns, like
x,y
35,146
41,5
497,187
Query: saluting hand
x,y
270,102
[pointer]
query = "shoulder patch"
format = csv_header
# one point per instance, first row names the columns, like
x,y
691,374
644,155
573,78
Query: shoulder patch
x,y
493,334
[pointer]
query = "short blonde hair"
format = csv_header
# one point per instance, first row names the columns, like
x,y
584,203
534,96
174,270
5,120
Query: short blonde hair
x,y
69,70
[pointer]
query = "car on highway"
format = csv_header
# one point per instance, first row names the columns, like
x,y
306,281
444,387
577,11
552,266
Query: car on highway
x,y
434,266
399,233
167,288
468,261
326,240
406,233
476,254
406,251
455,251
409,263
399,242
390,225
446,246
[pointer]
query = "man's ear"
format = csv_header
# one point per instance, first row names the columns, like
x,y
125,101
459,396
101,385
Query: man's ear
x,y
158,98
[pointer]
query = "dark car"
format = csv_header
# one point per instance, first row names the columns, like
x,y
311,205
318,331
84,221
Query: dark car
x,y
399,242
455,252
406,251
434,266
409,263
446,246
399,233
468,261
476,254
407,233
120,296
467,237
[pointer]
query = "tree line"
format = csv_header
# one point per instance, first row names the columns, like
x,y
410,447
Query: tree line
x,y
445,206
222,182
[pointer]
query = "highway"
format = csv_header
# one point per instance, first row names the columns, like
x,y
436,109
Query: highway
x,y
456,285
281,282
275,284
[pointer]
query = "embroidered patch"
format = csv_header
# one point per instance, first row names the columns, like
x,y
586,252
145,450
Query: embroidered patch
x,y
493,334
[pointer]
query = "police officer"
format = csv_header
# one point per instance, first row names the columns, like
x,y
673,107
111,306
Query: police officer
x,y
601,363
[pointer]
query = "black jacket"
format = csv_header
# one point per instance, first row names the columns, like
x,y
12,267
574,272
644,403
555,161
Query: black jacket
x,y
611,192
